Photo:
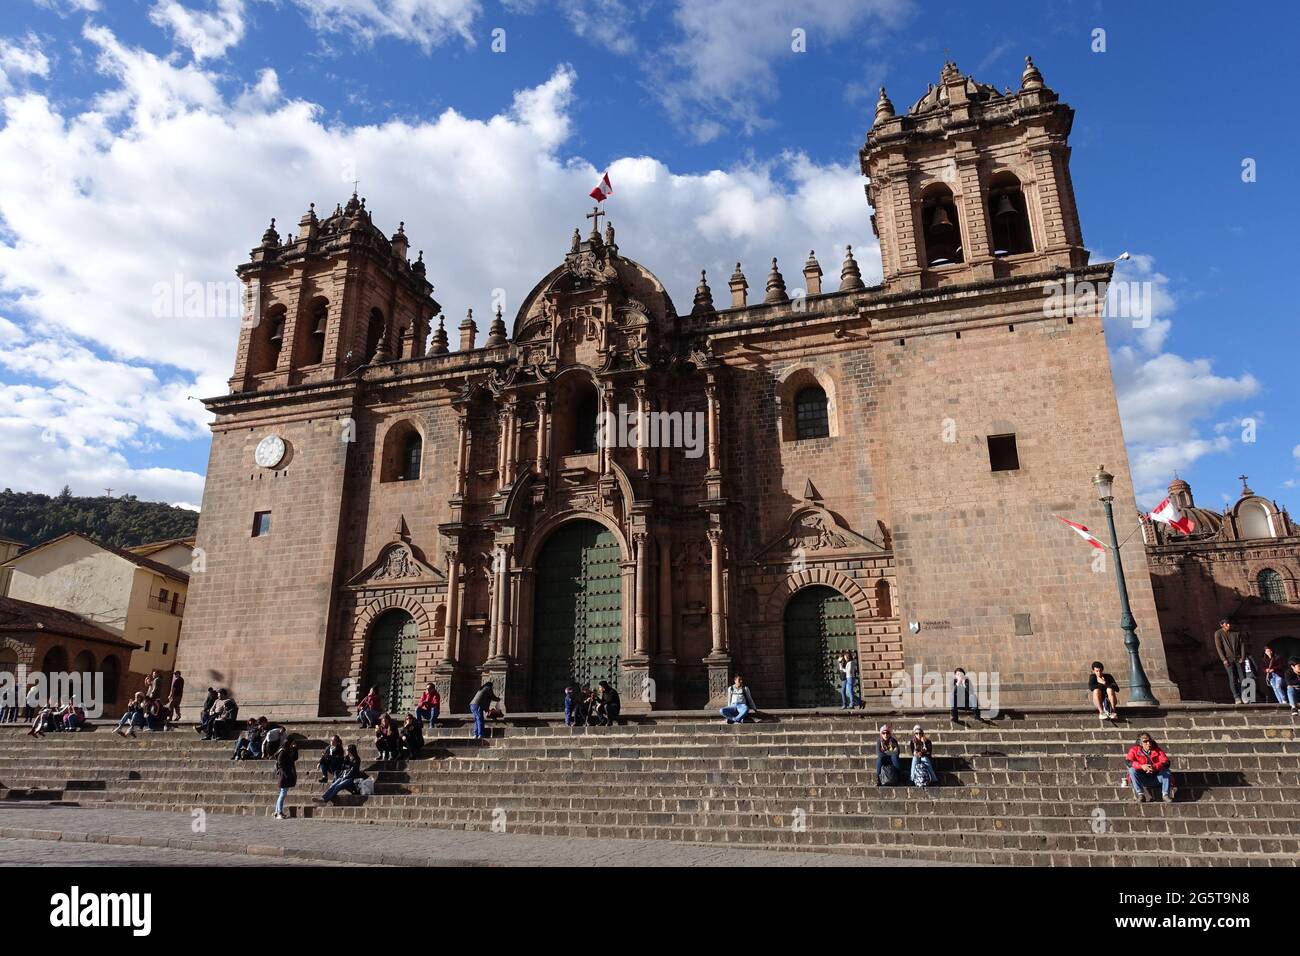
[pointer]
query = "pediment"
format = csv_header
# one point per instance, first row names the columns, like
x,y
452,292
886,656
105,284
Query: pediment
x,y
818,531
398,565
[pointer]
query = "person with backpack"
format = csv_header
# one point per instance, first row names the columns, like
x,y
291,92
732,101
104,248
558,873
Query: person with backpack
x,y
739,702
478,705
286,772
923,772
889,770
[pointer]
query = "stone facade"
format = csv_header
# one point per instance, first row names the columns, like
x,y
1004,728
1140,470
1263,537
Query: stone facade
x,y
1242,563
877,466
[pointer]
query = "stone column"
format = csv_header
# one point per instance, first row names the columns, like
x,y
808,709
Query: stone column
x,y
642,428
501,448
665,645
501,567
711,395
607,403
543,434
716,617
642,623
451,639
462,453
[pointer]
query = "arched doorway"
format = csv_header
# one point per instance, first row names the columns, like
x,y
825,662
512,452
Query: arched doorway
x,y
112,677
390,660
818,625
578,612
55,661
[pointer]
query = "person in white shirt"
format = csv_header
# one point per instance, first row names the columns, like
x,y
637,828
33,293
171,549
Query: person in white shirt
x,y
739,702
848,667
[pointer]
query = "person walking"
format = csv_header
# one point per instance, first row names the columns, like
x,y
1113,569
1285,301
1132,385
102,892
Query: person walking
x,y
287,773
174,696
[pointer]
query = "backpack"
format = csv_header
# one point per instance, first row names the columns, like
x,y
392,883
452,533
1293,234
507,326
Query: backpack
x,y
888,775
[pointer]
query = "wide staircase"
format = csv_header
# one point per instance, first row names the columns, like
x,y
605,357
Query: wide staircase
x,y
1032,787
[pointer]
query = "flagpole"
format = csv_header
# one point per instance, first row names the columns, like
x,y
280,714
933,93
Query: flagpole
x,y
1139,688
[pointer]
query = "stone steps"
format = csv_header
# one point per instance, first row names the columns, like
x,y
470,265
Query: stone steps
x,y
1012,791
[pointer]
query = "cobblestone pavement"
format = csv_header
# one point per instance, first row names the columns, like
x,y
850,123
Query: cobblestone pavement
x,y
58,853
238,838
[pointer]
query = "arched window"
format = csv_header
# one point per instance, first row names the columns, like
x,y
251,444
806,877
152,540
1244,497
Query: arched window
x,y
317,325
1253,521
56,661
374,334
811,419
269,337
411,457
1271,588
1009,217
884,604
403,453
940,226
584,422
84,663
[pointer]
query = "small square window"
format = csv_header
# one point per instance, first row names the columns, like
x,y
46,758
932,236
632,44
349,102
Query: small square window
x,y
261,524
1002,453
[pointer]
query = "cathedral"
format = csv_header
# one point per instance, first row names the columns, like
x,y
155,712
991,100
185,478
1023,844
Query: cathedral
x,y
610,487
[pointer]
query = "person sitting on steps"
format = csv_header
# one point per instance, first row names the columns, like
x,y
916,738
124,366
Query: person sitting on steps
x,y
205,713
1104,692
608,704
368,709
412,737
963,696
387,741
923,772
331,760
1293,685
428,706
132,717
887,754
350,773
225,712
1147,763
249,743
739,701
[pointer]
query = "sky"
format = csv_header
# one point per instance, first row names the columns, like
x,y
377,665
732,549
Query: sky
x,y
146,144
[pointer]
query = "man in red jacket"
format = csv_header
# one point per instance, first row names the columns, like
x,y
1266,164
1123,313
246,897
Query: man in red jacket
x,y
1147,763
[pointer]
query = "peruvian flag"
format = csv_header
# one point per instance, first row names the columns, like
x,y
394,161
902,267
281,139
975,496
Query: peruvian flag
x,y
1083,533
1167,513
603,189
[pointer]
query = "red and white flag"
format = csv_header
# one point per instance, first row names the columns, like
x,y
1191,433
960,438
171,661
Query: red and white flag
x,y
1083,533
1167,513
604,189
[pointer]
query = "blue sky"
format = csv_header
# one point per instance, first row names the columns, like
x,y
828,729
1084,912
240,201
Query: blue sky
x,y
150,139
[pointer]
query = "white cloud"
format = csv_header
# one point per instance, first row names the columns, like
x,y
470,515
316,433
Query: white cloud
x,y
427,23
722,68
207,34
65,7
165,176
17,62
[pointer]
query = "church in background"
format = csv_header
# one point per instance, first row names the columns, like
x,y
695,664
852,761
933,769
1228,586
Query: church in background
x,y
834,467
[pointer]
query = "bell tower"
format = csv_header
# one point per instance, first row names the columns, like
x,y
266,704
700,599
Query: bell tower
x,y
972,184
323,301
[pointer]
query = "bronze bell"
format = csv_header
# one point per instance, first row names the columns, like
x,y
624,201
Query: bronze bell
x,y
940,222
1004,207
322,320
277,331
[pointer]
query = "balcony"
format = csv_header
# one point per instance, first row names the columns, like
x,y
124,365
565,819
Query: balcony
x,y
172,605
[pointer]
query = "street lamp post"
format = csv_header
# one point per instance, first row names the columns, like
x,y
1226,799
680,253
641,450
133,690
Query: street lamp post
x,y
1139,688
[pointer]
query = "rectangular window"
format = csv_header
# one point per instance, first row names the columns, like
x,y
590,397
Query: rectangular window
x,y
1002,453
261,524
147,644
162,595
164,648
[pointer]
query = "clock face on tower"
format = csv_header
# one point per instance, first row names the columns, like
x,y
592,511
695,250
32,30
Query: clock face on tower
x,y
270,451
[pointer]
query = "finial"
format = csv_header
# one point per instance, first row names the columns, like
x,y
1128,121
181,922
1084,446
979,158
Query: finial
x,y
776,293
884,109
439,346
703,296
271,237
497,330
418,266
812,274
1245,488
850,276
1031,79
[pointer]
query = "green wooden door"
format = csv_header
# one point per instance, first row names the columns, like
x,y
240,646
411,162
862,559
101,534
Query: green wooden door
x,y
390,661
578,612
818,625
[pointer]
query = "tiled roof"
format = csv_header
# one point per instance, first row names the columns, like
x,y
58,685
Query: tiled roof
x,y
17,616
157,567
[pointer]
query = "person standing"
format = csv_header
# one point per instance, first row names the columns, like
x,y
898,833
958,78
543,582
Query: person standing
x,y
479,704
963,697
152,685
739,702
848,667
287,772
174,696
1231,648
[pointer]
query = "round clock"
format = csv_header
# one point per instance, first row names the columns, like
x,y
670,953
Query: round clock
x,y
270,451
